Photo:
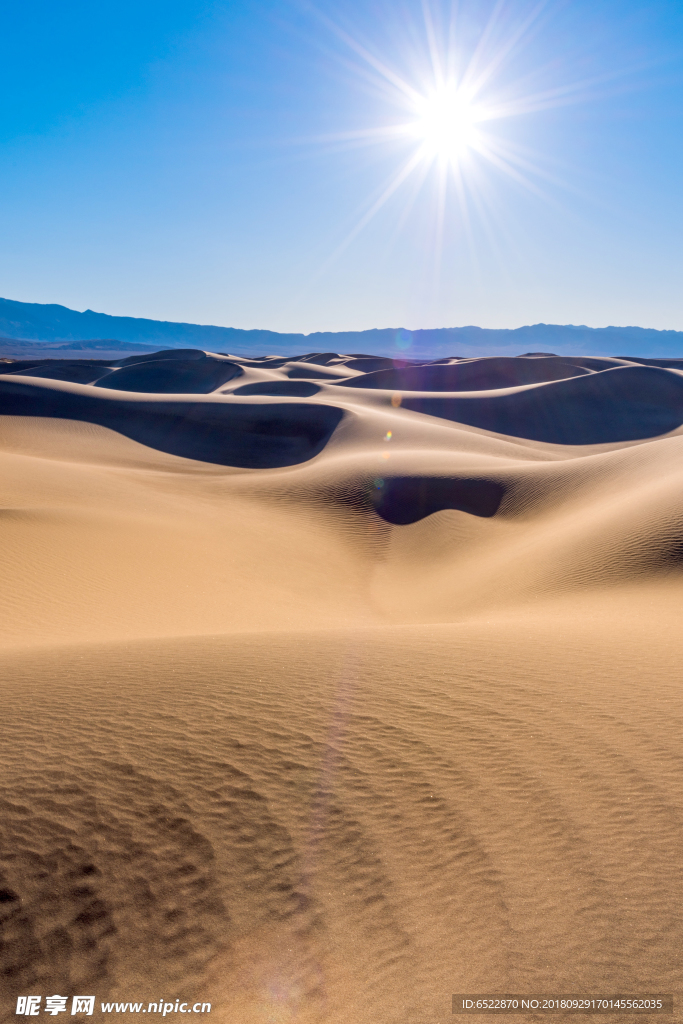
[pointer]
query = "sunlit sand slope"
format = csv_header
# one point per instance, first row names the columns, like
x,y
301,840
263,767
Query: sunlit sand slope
x,y
326,697
345,826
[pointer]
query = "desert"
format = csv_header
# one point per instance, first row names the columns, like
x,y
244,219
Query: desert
x,y
337,684
341,511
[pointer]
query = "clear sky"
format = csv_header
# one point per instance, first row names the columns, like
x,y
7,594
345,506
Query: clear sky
x,y
339,166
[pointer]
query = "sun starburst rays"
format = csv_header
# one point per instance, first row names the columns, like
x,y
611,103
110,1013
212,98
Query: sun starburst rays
x,y
449,99
447,110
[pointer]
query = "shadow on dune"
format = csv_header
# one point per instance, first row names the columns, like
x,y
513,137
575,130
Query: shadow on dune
x,y
172,376
471,375
279,388
176,371
188,354
401,500
76,372
250,436
593,402
622,404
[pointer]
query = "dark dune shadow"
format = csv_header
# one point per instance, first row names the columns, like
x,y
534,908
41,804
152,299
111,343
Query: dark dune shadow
x,y
172,376
368,364
302,371
279,388
667,364
247,436
318,358
264,362
475,375
187,354
407,499
622,404
76,373
613,404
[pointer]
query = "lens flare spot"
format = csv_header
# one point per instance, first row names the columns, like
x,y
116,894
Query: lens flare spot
x,y
388,435
404,339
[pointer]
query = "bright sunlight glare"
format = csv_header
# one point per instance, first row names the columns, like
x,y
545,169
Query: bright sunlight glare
x,y
446,124
451,107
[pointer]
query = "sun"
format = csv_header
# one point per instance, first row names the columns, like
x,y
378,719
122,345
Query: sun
x,y
446,124
446,117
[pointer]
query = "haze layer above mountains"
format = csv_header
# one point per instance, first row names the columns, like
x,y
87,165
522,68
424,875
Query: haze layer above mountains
x,y
22,324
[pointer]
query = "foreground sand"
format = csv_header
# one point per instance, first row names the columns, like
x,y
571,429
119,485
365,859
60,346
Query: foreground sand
x,y
274,742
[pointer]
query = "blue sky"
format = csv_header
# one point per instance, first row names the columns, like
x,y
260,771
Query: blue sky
x,y
240,163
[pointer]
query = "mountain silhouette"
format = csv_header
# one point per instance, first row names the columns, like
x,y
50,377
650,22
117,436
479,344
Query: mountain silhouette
x,y
60,327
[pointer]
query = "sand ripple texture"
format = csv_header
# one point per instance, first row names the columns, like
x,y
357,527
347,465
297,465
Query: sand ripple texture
x,y
333,686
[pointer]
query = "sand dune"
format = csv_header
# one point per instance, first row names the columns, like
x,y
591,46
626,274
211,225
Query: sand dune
x,y
334,686
177,376
472,374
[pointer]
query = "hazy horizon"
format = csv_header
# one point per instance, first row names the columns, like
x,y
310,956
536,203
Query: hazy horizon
x,y
344,330
54,325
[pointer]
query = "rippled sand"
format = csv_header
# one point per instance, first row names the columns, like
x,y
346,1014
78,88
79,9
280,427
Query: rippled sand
x,y
367,705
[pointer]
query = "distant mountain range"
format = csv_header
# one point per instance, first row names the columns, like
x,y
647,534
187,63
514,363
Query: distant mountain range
x,y
27,324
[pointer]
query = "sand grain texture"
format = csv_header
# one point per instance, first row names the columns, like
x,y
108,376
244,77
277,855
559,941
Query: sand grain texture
x,y
341,687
